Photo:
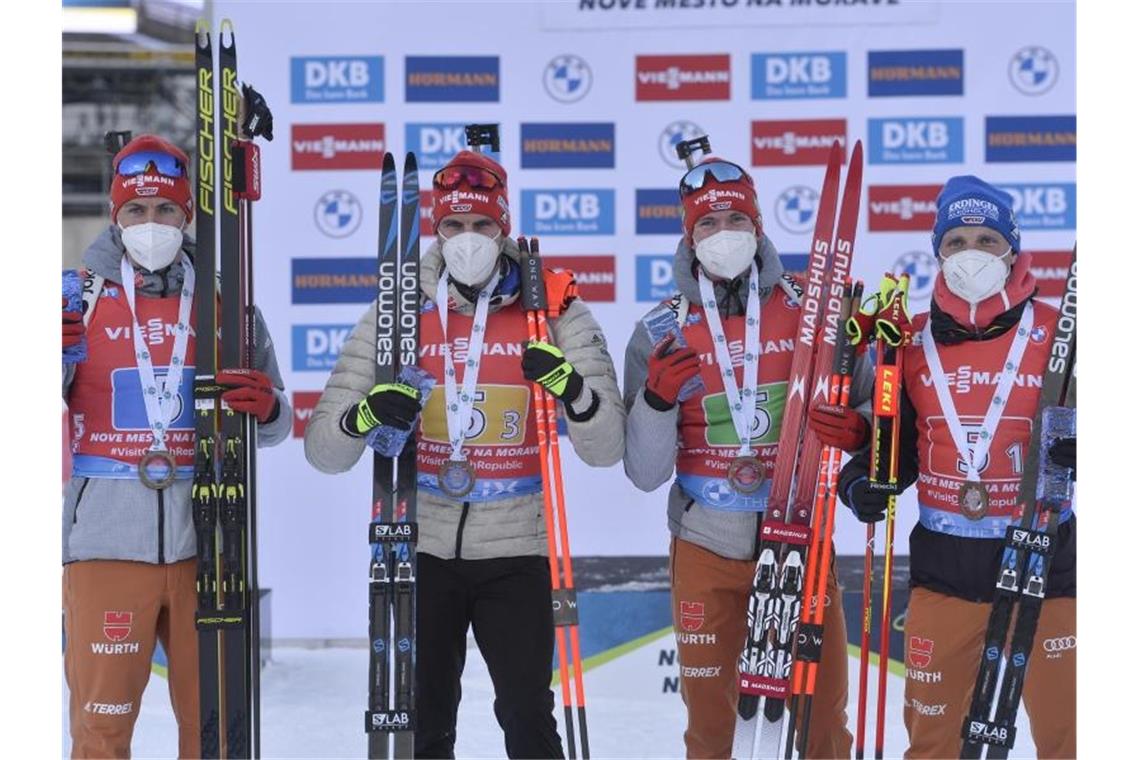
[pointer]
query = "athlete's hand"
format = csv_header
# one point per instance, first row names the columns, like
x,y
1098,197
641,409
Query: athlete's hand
x,y
394,404
73,328
546,365
839,426
1064,453
250,392
669,370
869,506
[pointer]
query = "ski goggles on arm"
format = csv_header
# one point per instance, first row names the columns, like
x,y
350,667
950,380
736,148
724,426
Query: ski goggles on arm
x,y
139,163
714,171
451,177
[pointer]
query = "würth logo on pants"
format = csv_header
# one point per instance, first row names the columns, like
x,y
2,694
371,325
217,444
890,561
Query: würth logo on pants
x,y
117,625
692,615
920,651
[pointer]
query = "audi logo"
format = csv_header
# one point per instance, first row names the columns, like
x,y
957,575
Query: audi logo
x,y
1059,644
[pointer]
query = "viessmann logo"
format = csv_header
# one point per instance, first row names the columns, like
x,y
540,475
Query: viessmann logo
x,y
337,146
899,208
459,79
303,404
796,143
683,77
1051,268
596,275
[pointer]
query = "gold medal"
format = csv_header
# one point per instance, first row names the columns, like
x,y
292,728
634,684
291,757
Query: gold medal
x,y
165,461
746,474
973,500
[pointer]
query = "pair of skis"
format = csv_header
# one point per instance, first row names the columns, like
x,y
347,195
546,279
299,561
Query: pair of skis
x,y
223,491
776,600
392,531
1045,491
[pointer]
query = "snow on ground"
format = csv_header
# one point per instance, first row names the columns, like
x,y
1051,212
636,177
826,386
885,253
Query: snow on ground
x,y
313,707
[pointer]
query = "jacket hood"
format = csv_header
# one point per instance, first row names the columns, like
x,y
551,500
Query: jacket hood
x,y
105,253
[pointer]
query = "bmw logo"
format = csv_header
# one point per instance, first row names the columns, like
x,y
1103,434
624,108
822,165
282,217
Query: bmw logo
x,y
1033,70
922,268
338,213
675,133
795,209
567,78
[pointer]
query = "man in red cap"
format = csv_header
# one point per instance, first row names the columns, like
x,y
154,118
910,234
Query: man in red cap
x,y
129,545
706,376
482,549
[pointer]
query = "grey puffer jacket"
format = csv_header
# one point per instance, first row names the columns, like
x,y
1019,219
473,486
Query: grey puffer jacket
x,y
105,518
652,436
448,528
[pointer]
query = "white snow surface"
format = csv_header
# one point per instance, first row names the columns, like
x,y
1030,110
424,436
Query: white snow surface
x,y
313,707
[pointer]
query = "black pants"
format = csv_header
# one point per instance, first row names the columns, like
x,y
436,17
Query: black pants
x,y
507,602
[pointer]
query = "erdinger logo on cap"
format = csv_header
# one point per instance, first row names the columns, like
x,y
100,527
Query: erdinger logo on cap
x,y
974,207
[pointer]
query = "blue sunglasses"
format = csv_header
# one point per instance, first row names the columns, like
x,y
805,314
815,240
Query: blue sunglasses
x,y
140,163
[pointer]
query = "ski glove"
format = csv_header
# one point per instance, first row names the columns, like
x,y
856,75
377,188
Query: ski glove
x,y
250,392
668,372
869,506
839,426
546,365
73,328
1064,453
394,404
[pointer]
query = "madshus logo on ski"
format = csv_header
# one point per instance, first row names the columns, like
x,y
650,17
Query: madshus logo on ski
x,y
796,143
658,211
683,77
785,76
568,212
334,280
338,213
796,208
316,347
596,275
303,404
674,133
654,276
1051,268
337,146
1044,206
567,78
902,208
1031,138
1033,70
893,73
337,79
451,79
437,143
582,145
916,140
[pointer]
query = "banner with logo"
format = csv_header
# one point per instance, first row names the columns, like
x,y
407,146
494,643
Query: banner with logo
x,y
592,97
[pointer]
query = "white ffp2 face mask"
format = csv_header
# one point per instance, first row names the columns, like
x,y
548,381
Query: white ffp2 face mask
x,y
727,253
471,257
151,245
976,275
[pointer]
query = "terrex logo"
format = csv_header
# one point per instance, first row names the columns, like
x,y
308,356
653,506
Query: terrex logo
x,y
316,347
1050,206
436,144
1031,138
596,275
567,146
796,143
919,140
778,76
568,212
683,77
897,208
337,146
337,79
460,79
1051,268
658,211
303,404
915,72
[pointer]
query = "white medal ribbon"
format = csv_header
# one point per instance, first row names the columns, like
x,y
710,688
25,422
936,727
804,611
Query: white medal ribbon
x,y
460,403
160,401
977,455
741,400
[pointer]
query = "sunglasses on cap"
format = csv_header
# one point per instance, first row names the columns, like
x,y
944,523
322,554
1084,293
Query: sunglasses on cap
x,y
714,171
451,177
139,163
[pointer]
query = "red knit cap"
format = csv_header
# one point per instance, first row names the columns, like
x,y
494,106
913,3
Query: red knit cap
x,y
464,199
151,184
718,196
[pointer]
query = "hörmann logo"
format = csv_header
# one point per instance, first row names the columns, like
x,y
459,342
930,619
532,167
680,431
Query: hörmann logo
x,y
1031,138
658,211
337,79
567,146
915,140
1046,206
898,208
683,77
596,275
459,79
784,76
568,212
914,72
334,280
796,143
337,146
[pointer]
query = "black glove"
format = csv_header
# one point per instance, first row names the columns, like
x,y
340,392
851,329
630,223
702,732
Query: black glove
x,y
546,365
1063,452
869,506
393,404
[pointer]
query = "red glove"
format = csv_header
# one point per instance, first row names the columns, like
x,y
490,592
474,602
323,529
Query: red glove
x,y
668,371
839,426
73,328
251,392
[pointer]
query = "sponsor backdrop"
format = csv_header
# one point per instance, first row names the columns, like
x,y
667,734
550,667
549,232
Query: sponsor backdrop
x,y
591,96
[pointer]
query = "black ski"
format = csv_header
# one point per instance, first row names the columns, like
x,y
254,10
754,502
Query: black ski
x,y
1045,489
